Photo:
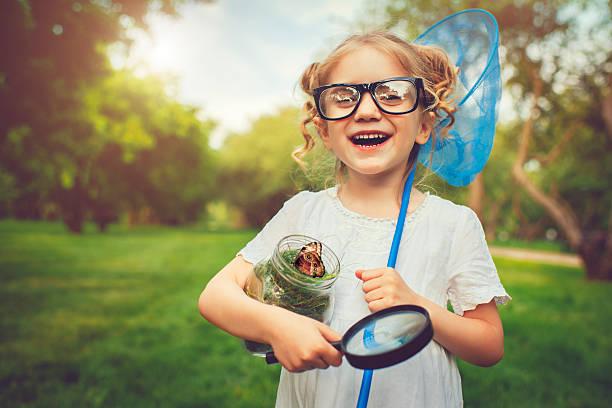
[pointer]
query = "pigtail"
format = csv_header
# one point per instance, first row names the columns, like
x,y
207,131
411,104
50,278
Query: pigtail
x,y
427,62
308,82
440,78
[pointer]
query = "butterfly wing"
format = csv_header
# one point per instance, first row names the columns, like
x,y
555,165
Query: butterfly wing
x,y
308,260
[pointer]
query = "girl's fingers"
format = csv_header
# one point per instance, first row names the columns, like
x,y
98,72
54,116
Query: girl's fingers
x,y
318,363
322,359
366,275
330,355
335,359
377,305
371,285
375,294
328,333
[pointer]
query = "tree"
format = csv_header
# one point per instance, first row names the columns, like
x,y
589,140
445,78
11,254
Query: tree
x,y
557,67
150,151
54,56
256,169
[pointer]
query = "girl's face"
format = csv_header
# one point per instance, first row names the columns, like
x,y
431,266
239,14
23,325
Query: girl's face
x,y
389,158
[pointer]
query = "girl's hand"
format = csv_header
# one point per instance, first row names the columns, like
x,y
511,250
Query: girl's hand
x,y
301,343
384,287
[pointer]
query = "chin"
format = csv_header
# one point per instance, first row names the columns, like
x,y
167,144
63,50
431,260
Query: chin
x,y
370,170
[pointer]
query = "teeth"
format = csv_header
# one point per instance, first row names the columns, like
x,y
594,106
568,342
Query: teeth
x,y
372,136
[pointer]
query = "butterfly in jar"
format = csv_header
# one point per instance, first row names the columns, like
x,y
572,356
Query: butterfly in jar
x,y
309,261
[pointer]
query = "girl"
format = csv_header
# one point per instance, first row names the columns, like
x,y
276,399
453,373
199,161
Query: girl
x,y
373,102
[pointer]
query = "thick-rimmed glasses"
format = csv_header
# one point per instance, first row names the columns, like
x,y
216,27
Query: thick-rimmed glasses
x,y
396,96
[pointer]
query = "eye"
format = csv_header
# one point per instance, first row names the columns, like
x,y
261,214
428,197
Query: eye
x,y
342,99
387,94
342,96
389,97
396,93
309,257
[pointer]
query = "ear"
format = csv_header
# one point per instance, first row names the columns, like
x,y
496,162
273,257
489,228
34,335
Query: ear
x,y
425,128
321,126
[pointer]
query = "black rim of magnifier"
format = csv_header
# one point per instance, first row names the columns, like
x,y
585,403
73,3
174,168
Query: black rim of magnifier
x,y
391,357
388,358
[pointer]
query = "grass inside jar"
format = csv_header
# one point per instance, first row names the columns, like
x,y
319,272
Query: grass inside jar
x,y
303,298
290,289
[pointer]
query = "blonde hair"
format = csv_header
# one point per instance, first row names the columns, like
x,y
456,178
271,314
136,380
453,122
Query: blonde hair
x,y
430,63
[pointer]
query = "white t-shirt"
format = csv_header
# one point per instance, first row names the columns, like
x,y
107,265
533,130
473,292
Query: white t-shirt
x,y
443,256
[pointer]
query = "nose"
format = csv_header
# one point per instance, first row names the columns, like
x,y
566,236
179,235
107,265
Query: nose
x,y
367,109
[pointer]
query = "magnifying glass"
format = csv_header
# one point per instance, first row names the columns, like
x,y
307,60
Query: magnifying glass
x,y
384,338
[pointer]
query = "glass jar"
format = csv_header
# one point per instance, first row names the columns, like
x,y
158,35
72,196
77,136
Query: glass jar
x,y
276,281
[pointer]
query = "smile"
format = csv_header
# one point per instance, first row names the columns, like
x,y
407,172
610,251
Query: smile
x,y
369,140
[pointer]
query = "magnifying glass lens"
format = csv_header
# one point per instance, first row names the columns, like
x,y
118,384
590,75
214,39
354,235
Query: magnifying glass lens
x,y
384,338
387,333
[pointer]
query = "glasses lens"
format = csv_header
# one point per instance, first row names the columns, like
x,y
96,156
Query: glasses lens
x,y
338,101
396,96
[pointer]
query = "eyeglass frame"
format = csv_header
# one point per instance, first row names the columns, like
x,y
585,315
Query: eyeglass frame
x,y
369,87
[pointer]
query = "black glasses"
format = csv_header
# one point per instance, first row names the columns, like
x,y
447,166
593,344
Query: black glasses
x,y
396,96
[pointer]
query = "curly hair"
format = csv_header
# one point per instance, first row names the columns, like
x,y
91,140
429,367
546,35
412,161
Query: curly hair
x,y
430,63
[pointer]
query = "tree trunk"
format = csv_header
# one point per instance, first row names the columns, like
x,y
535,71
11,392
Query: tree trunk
x,y
596,253
595,249
73,206
528,230
476,197
27,206
606,109
492,220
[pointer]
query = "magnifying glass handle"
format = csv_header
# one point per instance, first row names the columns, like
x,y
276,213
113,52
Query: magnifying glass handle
x,y
271,358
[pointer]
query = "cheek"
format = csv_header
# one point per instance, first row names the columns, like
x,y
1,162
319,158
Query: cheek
x,y
335,128
335,132
408,127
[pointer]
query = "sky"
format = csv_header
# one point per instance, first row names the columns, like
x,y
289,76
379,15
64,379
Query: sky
x,y
238,59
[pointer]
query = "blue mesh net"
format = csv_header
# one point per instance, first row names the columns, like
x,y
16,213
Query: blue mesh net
x,y
470,38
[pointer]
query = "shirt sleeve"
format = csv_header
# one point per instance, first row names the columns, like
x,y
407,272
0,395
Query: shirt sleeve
x,y
473,275
280,225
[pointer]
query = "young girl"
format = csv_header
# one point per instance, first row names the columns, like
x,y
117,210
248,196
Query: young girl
x,y
373,102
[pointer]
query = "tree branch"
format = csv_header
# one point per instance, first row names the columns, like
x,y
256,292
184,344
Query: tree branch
x,y
556,150
606,108
563,216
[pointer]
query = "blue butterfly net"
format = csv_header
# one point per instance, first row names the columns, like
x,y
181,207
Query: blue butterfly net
x,y
471,39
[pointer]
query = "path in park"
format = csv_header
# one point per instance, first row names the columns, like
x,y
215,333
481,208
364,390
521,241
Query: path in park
x,y
538,256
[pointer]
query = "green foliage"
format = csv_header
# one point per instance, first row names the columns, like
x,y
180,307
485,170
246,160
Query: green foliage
x,y
565,45
111,320
319,170
155,150
84,140
256,167
8,191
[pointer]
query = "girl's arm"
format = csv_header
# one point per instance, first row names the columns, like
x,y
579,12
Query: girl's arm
x,y
476,337
300,343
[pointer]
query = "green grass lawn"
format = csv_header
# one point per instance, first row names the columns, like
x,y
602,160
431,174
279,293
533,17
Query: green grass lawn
x,y
537,245
111,320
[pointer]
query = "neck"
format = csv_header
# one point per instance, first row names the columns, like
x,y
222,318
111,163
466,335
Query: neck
x,y
376,196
